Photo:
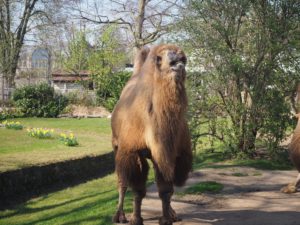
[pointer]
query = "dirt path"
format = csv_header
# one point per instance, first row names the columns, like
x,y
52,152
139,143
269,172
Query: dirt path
x,y
253,198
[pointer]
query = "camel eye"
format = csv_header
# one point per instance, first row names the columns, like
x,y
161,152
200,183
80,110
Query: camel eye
x,y
183,59
158,59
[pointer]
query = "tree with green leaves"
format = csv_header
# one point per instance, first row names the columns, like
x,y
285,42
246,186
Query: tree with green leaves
x,y
247,57
106,65
104,60
77,55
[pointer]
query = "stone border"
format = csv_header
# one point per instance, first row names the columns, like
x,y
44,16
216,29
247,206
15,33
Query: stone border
x,y
20,185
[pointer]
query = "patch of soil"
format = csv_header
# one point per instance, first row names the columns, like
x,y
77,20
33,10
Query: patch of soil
x,y
251,199
203,200
86,111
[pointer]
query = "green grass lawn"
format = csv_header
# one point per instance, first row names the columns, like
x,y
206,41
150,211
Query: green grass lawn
x,y
202,187
93,202
18,150
217,160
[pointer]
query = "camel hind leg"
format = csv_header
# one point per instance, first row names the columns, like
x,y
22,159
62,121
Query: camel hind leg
x,y
292,187
297,183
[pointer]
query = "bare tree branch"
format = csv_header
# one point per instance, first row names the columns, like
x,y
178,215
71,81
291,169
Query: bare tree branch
x,y
147,21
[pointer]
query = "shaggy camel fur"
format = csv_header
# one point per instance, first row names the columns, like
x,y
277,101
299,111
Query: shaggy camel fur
x,y
294,149
149,122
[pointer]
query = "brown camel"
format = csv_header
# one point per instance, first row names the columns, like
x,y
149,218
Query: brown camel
x,y
294,150
149,122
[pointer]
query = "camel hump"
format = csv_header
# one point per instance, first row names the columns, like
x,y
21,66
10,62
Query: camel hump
x,y
139,60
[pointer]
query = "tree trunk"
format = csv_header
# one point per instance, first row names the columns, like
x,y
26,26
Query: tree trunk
x,y
249,129
297,99
139,42
2,87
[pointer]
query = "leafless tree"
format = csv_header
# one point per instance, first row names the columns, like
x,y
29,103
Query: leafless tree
x,y
144,20
19,19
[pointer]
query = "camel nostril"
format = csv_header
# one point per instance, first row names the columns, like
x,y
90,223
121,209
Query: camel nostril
x,y
173,63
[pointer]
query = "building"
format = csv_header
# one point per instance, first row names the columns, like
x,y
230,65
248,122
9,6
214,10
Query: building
x,y
66,82
34,66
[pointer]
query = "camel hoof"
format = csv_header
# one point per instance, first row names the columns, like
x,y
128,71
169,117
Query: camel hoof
x,y
119,217
289,189
136,221
176,219
174,216
165,221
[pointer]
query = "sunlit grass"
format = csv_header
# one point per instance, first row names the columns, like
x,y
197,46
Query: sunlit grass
x,y
218,160
93,202
18,150
203,187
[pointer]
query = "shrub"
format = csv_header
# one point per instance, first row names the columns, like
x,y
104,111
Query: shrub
x,y
39,100
9,113
68,140
40,133
13,125
7,103
110,87
81,98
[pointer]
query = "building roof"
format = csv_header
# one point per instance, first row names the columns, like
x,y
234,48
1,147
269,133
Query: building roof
x,y
64,76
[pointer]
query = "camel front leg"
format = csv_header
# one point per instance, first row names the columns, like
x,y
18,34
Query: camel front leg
x,y
165,190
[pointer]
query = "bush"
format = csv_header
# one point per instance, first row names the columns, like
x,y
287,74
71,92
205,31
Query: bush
x,y
39,100
9,113
81,98
110,88
7,103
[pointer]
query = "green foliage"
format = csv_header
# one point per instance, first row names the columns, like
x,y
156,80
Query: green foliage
x,y
106,65
248,58
219,159
7,103
105,62
39,100
78,54
108,56
109,91
9,113
202,187
277,119
13,125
